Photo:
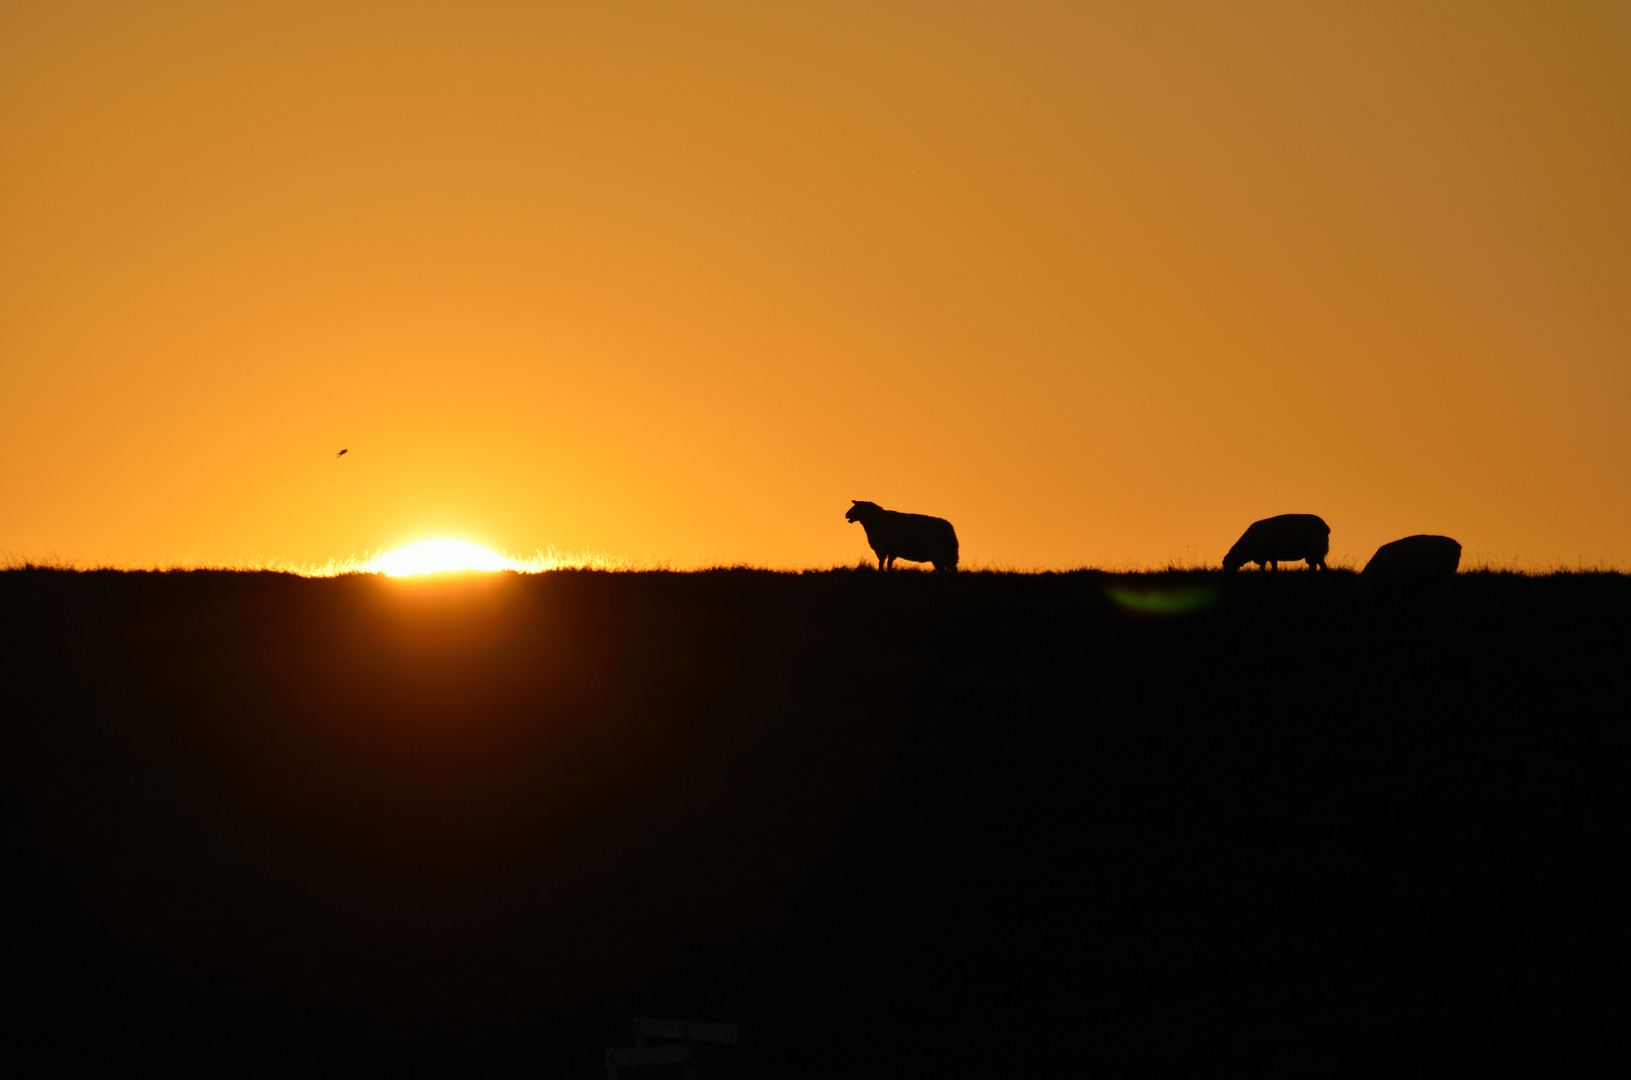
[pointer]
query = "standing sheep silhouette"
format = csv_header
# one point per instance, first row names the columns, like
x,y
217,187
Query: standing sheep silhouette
x,y
913,537
1414,566
1286,538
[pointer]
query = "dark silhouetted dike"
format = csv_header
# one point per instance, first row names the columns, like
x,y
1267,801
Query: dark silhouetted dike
x,y
913,537
1287,538
892,824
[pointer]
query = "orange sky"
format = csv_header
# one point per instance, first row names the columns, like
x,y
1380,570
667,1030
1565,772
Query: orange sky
x,y
1102,283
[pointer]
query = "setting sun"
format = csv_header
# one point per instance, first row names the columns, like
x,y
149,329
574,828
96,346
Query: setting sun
x,y
440,556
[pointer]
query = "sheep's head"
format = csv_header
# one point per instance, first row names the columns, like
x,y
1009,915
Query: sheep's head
x,y
860,510
1234,560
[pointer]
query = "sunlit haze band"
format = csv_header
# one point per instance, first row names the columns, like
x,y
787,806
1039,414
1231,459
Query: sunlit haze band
x,y
438,556
423,557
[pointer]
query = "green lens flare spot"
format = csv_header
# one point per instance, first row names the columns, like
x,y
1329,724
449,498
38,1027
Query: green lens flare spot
x,y
1164,601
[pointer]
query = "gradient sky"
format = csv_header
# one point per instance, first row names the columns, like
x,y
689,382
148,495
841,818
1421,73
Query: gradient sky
x,y
1102,283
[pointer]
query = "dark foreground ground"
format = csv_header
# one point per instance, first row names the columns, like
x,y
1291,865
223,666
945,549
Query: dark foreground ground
x,y
256,824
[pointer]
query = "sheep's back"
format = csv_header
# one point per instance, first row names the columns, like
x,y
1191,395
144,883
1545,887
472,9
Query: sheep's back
x,y
1415,557
917,537
1284,538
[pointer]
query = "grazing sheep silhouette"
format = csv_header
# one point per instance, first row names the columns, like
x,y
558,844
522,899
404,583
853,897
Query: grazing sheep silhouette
x,y
1286,538
913,537
1413,561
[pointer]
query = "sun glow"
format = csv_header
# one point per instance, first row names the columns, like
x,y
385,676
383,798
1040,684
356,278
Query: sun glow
x,y
407,560
440,556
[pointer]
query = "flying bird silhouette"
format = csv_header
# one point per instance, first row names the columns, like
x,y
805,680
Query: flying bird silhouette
x,y
340,454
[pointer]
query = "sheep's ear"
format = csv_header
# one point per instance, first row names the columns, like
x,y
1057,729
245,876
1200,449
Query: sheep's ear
x,y
855,502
